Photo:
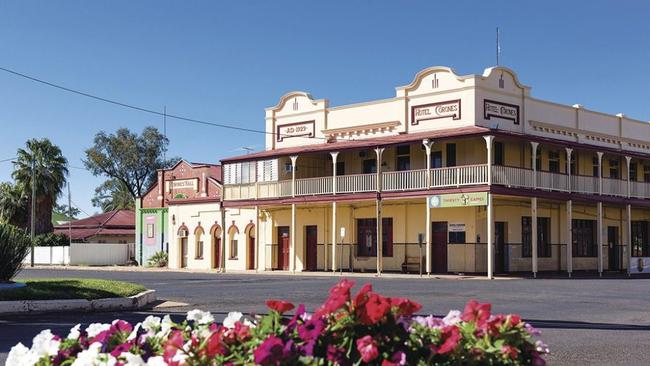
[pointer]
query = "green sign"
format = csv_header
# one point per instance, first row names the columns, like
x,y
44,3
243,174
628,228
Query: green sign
x,y
458,200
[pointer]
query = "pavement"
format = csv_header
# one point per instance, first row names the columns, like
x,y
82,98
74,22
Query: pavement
x,y
584,320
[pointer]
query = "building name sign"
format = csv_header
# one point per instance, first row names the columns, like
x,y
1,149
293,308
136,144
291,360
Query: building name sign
x,y
639,265
183,184
298,129
502,110
458,200
426,112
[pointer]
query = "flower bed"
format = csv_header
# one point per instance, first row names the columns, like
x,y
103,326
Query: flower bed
x,y
365,329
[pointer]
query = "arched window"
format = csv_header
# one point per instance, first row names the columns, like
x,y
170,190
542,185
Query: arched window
x,y
198,246
233,231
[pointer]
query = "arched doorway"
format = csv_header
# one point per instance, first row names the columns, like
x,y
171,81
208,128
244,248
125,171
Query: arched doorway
x,y
250,239
215,235
182,234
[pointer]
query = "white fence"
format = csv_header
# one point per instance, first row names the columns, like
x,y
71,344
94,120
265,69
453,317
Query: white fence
x,y
91,254
49,255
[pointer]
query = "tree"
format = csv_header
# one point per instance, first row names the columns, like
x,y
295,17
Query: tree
x,y
113,195
14,246
127,157
71,211
13,205
50,174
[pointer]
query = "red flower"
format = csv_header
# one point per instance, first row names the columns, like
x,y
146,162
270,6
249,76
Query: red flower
x,y
476,312
405,307
450,337
215,345
339,296
514,320
362,296
367,348
279,305
376,307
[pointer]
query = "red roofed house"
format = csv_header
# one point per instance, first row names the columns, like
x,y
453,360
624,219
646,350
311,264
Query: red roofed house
x,y
108,227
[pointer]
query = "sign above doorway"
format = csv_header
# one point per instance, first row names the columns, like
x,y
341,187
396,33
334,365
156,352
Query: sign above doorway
x,y
458,200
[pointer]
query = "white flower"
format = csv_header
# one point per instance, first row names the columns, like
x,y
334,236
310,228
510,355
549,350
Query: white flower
x,y
156,361
165,326
74,332
232,318
452,318
201,317
132,359
151,323
541,347
96,328
179,357
21,356
44,344
134,332
89,356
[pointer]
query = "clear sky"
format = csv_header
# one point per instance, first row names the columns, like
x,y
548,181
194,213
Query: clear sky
x,y
226,61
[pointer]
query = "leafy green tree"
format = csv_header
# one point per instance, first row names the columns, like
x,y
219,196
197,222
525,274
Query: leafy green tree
x,y
67,211
128,158
50,172
13,205
113,195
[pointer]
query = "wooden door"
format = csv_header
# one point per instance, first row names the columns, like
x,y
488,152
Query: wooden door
x,y
311,236
283,247
613,254
500,255
439,246
251,252
217,252
183,252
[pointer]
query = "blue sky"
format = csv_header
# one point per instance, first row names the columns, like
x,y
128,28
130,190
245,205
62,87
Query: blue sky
x,y
226,61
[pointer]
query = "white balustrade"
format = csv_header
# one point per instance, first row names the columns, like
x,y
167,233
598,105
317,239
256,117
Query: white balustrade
x,y
584,184
552,181
512,177
313,186
639,190
404,180
471,174
614,187
356,183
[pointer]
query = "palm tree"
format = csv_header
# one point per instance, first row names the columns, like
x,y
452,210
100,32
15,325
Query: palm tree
x,y
50,174
13,205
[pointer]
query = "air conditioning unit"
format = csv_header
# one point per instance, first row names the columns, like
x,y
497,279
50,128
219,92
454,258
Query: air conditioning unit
x,y
288,168
183,233
363,154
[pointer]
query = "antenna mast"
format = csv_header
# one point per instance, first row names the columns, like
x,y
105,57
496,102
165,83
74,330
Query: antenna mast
x,y
498,47
165,132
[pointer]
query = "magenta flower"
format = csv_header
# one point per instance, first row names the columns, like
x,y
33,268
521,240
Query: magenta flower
x,y
312,329
270,352
367,347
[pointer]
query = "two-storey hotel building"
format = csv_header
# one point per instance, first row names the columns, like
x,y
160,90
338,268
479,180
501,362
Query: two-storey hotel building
x,y
454,174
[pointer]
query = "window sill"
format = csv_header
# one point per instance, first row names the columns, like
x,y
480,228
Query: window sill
x,y
198,258
233,259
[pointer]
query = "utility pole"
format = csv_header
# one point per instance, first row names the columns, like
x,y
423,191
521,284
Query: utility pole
x,y
69,225
33,222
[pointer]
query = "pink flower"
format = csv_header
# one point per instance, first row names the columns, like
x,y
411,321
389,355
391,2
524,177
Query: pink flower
x,y
367,347
509,351
476,312
339,296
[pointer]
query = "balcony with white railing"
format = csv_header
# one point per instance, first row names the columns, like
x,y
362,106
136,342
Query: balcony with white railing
x,y
448,177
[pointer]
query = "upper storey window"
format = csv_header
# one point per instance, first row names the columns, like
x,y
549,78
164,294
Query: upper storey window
x,y
553,161
240,173
614,169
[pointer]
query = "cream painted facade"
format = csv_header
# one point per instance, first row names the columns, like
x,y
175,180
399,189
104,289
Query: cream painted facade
x,y
577,178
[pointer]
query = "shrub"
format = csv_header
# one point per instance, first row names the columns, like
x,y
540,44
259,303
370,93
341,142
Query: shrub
x,y
51,240
159,259
365,329
14,246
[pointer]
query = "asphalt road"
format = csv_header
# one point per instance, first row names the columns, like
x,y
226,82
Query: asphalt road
x,y
586,321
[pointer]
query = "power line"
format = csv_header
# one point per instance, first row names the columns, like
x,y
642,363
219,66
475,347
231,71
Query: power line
x,y
5,160
163,114
134,107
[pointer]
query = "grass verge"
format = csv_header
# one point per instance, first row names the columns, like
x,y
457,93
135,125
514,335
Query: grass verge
x,y
71,288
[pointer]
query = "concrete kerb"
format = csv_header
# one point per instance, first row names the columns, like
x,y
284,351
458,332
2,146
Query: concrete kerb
x,y
134,302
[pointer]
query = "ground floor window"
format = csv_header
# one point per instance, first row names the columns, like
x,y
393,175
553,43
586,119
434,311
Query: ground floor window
x,y
367,237
543,237
584,238
640,245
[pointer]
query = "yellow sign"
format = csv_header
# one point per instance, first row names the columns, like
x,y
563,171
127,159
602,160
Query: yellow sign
x,y
458,200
